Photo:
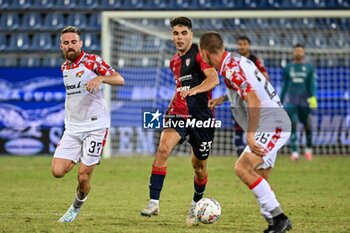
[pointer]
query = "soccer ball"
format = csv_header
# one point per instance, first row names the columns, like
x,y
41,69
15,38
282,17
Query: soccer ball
x,y
208,210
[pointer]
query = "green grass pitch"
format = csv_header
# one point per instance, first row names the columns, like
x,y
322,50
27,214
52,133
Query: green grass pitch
x,y
316,196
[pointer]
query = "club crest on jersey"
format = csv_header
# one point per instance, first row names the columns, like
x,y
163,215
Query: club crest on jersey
x,y
187,62
79,74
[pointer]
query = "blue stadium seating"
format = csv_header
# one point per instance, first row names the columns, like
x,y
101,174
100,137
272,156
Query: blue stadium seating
x,y
77,19
52,61
65,4
54,20
94,21
19,42
4,4
29,62
42,41
110,4
9,21
91,42
40,4
3,41
31,21
87,4
20,4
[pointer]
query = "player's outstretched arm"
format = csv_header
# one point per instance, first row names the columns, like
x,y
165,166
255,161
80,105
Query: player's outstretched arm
x,y
254,104
211,81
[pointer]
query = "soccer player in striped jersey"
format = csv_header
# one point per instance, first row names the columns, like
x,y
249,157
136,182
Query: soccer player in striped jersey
x,y
299,97
243,48
194,80
261,114
86,116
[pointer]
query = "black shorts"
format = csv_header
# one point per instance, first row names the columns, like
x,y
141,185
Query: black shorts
x,y
201,139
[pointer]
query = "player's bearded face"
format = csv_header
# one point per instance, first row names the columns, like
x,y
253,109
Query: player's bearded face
x,y
298,54
71,46
182,38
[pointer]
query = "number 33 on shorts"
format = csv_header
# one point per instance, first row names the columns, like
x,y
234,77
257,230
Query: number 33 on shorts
x,y
205,146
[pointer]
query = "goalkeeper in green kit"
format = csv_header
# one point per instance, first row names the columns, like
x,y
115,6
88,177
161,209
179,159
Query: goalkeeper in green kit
x,y
299,97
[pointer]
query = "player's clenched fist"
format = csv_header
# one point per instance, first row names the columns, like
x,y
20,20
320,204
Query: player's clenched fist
x,y
94,85
215,102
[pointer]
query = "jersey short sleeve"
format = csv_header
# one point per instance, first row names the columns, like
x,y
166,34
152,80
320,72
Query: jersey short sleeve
x,y
260,64
203,65
236,78
99,66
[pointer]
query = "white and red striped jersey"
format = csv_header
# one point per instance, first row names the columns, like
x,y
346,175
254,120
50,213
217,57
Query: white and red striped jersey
x,y
242,76
85,111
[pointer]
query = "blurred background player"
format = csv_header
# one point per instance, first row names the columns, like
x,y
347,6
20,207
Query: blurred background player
x,y
194,81
299,97
243,48
86,116
261,114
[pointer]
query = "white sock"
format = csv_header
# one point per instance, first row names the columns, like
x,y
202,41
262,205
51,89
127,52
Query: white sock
x,y
156,201
193,203
265,196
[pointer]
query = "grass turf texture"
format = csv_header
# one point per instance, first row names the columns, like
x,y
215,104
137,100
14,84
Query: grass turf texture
x,y
314,194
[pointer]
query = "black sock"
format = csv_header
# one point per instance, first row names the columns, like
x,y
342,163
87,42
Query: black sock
x,y
279,217
156,182
199,188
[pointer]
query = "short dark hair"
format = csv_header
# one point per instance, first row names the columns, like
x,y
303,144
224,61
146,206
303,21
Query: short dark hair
x,y
298,45
244,37
70,29
212,42
183,21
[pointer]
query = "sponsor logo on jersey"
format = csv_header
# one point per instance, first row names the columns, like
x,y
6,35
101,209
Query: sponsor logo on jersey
x,y
79,74
188,61
185,77
184,88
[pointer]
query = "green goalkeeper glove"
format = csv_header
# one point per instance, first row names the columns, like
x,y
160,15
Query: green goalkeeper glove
x,y
312,102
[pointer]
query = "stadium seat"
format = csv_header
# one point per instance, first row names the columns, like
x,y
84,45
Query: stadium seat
x,y
91,42
20,4
40,4
133,4
229,4
4,4
77,19
314,4
42,41
3,41
19,41
31,21
87,4
293,4
8,61
54,20
29,62
110,4
269,4
65,4
52,61
156,4
9,21
94,21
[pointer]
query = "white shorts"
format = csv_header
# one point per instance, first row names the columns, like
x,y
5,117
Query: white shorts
x,y
271,142
85,147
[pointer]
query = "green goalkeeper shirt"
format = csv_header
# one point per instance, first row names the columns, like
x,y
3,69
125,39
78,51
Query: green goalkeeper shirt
x,y
299,84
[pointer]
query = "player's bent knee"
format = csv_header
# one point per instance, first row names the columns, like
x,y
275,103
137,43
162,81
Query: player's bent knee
x,y
239,169
163,152
58,173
